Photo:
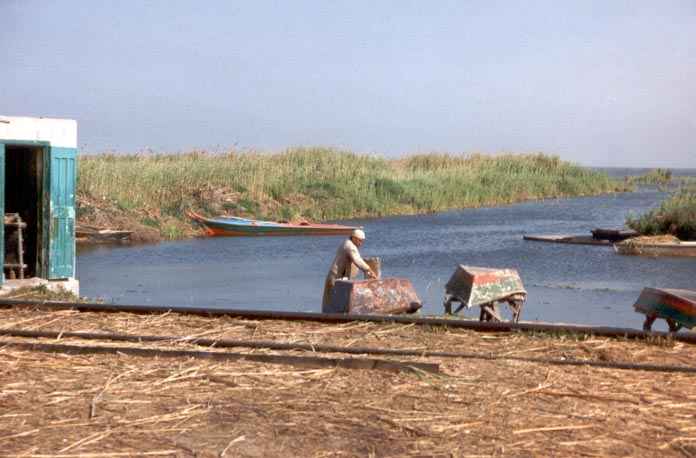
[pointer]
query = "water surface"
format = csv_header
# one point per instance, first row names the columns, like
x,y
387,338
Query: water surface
x,y
566,283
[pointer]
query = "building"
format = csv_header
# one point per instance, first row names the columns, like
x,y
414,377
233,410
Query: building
x,y
37,182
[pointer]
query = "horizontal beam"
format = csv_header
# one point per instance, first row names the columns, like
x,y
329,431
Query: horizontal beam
x,y
302,361
322,348
483,326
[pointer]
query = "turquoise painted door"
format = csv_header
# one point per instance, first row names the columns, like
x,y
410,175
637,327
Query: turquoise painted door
x,y
2,212
61,256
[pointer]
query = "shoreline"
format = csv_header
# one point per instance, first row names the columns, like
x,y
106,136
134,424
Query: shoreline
x,y
149,195
140,234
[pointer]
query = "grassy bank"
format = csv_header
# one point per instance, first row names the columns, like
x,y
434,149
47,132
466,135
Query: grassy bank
x,y
315,183
659,177
675,216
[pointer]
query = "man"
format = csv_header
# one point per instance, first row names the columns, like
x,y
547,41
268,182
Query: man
x,y
346,255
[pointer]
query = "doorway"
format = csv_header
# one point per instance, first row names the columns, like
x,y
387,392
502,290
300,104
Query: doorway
x,y
24,181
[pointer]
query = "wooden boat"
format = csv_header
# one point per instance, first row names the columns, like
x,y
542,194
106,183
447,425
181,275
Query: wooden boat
x,y
239,227
91,234
613,235
389,296
482,286
676,306
569,239
656,249
598,237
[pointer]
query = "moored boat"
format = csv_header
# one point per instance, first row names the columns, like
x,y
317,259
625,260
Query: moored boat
x,y
483,286
90,234
598,237
676,306
613,235
233,226
569,239
389,296
473,285
630,247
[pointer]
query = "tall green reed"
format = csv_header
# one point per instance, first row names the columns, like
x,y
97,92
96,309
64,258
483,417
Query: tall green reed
x,y
324,183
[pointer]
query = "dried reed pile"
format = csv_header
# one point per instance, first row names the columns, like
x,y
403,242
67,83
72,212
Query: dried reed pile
x,y
56,405
651,239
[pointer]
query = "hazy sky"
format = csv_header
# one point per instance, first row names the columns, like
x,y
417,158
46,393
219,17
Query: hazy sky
x,y
597,82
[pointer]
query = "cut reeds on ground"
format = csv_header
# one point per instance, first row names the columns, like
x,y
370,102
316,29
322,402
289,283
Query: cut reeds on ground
x,y
99,405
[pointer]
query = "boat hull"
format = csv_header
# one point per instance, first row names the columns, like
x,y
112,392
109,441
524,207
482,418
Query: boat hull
x,y
474,286
614,235
223,232
676,304
568,239
241,227
657,249
379,296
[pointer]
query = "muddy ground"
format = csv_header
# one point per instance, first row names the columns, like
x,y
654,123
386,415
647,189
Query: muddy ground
x,y
105,214
99,405
151,225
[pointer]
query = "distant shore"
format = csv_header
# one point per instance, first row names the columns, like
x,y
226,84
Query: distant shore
x,y
149,194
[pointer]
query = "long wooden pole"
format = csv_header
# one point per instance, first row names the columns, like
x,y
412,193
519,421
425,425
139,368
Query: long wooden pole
x,y
303,361
485,326
322,348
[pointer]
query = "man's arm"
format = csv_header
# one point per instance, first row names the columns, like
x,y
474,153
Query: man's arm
x,y
356,259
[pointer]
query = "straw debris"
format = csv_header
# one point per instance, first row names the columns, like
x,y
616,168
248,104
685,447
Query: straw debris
x,y
99,405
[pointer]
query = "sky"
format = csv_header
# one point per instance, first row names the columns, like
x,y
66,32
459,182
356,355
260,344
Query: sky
x,y
600,83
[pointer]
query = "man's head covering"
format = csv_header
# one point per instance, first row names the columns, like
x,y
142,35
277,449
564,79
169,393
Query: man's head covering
x,y
358,234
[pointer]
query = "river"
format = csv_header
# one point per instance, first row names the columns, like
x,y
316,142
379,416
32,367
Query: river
x,y
566,283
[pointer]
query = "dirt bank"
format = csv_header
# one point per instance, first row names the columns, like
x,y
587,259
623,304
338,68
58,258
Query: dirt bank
x,y
149,225
119,405
144,224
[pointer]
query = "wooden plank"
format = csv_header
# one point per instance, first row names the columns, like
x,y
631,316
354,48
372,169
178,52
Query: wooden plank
x,y
603,331
303,361
227,343
568,239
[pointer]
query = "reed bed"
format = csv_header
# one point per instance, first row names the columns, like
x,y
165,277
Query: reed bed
x,y
320,184
675,216
659,177
118,405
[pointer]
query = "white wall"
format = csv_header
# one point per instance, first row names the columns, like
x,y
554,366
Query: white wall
x,y
58,132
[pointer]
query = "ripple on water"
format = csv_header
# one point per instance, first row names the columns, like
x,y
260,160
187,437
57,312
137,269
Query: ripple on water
x,y
566,283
